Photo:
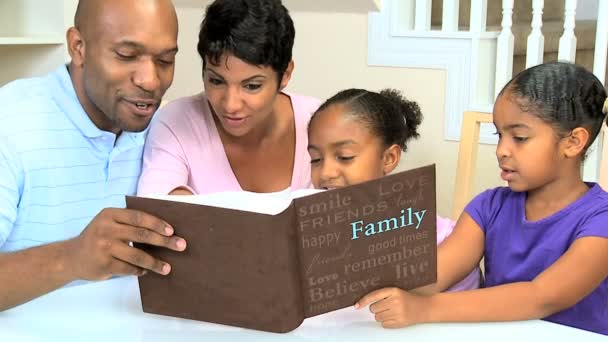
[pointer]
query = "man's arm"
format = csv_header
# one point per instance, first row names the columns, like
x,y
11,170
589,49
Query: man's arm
x,y
99,252
30,273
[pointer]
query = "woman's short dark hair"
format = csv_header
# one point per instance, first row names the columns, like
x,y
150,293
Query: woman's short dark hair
x,y
259,32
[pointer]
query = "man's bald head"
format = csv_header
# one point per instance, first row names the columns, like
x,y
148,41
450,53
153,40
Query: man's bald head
x,y
91,14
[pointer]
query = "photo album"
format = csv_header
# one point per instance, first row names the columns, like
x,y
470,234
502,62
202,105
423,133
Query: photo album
x,y
268,261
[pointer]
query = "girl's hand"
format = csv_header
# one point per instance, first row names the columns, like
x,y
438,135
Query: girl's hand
x,y
395,308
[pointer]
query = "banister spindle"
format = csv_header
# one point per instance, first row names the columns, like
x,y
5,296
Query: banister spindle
x,y
567,42
536,40
504,49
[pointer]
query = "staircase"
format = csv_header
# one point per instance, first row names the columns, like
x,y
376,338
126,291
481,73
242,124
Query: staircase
x,y
552,29
481,44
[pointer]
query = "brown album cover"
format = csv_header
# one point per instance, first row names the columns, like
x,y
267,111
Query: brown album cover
x,y
322,253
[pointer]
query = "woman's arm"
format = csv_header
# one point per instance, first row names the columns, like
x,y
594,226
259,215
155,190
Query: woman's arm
x,y
165,166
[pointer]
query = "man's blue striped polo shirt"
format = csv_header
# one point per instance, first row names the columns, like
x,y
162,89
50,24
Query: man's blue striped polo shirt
x,y
57,169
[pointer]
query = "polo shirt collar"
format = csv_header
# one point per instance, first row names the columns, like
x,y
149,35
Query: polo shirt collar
x,y
65,97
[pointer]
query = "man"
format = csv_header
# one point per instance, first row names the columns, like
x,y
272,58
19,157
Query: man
x,y
71,145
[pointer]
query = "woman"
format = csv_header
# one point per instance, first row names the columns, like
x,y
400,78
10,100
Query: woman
x,y
243,132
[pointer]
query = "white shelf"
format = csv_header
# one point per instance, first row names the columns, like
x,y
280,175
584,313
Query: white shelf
x,y
40,40
32,36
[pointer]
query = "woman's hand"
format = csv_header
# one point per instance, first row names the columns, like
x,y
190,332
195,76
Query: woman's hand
x,y
181,191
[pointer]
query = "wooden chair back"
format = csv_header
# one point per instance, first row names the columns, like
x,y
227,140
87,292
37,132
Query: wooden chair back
x,y
467,158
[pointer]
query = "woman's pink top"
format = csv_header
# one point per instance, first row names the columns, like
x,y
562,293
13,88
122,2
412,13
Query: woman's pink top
x,y
183,149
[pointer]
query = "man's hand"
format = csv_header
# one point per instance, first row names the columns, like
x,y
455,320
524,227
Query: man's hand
x,y
102,249
395,308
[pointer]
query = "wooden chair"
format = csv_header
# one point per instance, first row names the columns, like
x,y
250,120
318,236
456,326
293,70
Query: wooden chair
x,y
467,158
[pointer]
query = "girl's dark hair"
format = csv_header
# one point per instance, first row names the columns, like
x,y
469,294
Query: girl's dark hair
x,y
564,95
259,32
387,114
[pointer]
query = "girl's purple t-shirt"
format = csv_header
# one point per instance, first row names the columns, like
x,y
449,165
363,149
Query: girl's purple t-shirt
x,y
519,250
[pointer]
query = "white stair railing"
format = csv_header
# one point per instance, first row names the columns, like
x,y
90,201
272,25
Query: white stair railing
x,y
536,40
423,15
601,42
599,69
504,48
479,13
479,62
449,21
567,42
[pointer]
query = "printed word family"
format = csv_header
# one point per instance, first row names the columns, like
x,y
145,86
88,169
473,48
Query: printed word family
x,y
409,217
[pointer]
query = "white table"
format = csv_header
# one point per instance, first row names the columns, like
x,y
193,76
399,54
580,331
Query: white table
x,y
111,311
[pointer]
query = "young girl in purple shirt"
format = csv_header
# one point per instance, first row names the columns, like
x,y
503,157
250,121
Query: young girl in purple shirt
x,y
545,236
